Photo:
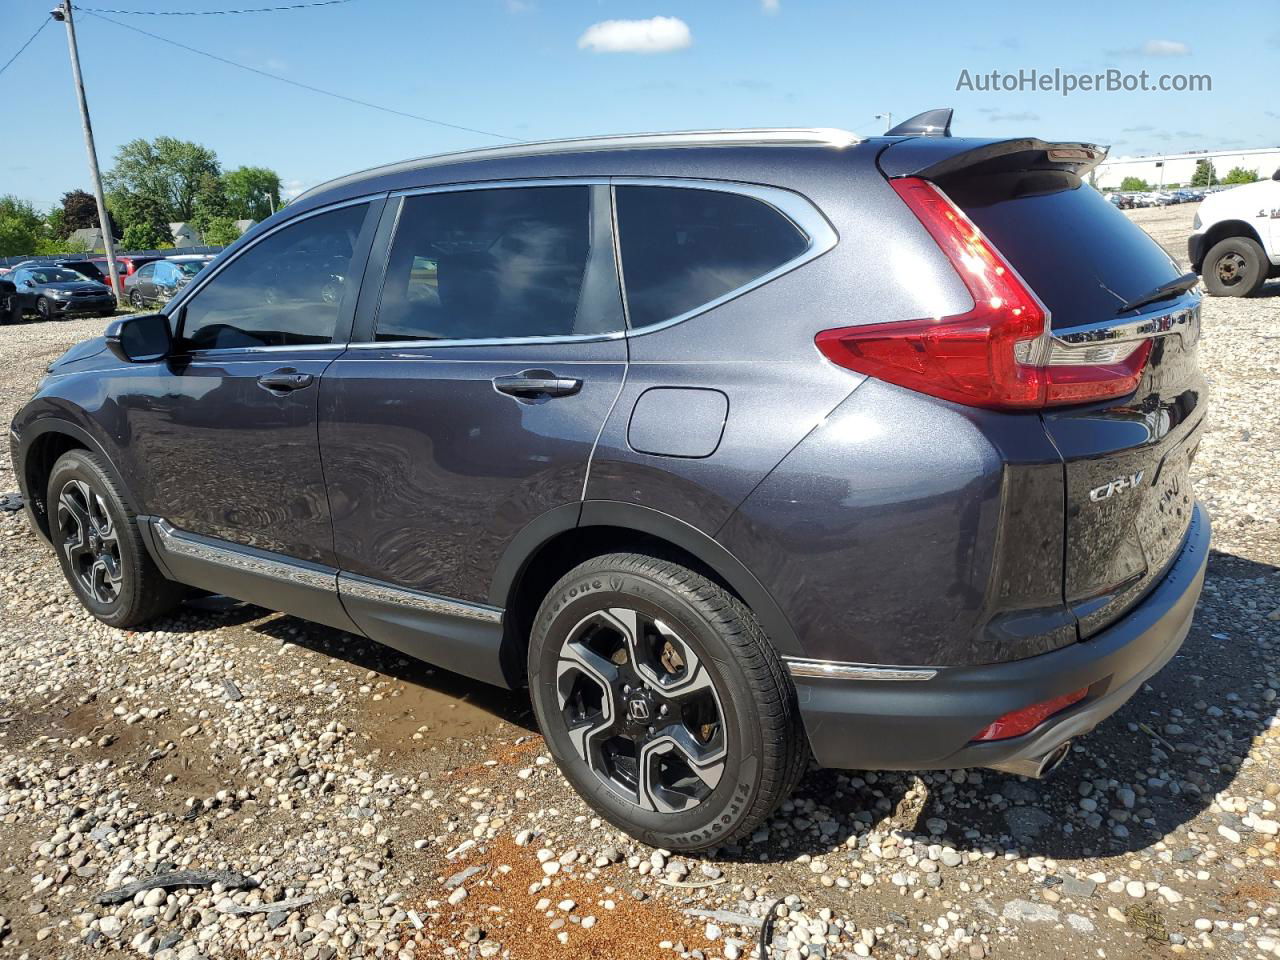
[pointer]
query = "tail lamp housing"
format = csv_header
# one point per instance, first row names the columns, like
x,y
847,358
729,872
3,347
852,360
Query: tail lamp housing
x,y
998,355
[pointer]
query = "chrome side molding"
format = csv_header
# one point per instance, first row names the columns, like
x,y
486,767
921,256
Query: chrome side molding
x,y
247,560
378,591
841,670
242,559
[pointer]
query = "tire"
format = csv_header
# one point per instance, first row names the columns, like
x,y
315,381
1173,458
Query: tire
x,y
731,747
1234,267
108,567
44,309
135,298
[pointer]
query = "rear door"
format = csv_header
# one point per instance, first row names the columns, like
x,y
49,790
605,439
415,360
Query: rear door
x,y
1129,500
494,350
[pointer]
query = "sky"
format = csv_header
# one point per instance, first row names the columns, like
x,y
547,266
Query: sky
x,y
541,69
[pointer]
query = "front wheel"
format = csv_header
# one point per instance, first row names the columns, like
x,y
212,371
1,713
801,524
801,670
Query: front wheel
x,y
663,702
1234,267
44,309
135,298
99,548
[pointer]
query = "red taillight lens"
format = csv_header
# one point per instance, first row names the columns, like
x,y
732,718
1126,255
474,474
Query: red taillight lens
x,y
1018,722
996,355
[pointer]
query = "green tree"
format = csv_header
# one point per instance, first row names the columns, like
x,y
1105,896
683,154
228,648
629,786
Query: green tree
x,y
1205,175
220,232
166,170
143,212
1240,175
252,192
144,236
1134,185
210,203
21,227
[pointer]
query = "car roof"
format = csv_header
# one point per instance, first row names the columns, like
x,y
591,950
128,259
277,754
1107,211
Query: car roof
x,y
802,137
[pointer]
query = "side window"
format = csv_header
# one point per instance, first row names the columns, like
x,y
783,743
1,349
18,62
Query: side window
x,y
146,273
285,290
683,247
486,264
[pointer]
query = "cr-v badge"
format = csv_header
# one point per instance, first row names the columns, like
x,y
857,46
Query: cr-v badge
x,y
1115,486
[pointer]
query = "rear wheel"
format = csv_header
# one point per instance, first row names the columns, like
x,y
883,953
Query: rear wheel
x,y
1234,267
135,298
663,702
99,547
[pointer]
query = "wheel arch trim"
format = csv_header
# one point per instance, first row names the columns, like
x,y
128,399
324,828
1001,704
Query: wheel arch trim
x,y
644,520
43,426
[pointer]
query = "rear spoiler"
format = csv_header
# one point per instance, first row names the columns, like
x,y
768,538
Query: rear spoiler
x,y
936,157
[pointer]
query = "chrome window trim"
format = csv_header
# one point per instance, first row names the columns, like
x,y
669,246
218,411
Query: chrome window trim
x,y
797,208
842,670
379,591
181,543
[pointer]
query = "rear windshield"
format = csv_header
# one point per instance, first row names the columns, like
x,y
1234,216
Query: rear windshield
x,y
1083,257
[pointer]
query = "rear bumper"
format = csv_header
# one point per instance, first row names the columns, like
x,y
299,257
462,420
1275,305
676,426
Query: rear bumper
x,y
927,722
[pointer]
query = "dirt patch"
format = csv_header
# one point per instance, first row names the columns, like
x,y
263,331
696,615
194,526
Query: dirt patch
x,y
502,907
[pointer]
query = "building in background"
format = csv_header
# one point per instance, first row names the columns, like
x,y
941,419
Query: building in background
x,y
1181,167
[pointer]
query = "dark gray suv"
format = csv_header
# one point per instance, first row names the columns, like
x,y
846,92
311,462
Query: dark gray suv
x,y
736,448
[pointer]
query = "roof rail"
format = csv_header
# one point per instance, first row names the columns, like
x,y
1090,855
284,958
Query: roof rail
x,y
783,136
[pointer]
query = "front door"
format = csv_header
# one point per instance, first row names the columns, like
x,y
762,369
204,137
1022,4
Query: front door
x,y
491,363
224,435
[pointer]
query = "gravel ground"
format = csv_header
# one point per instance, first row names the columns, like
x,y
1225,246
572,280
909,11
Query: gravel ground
x,y
370,806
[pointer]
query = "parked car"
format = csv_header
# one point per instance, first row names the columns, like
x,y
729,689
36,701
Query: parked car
x,y
8,300
125,266
1235,238
85,268
735,447
157,281
52,292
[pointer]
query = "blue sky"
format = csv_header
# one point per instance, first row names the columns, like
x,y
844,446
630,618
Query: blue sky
x,y
534,69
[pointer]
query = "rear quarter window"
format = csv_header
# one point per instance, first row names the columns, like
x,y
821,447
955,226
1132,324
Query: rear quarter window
x,y
683,247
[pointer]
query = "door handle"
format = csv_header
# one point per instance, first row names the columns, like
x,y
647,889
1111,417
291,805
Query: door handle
x,y
284,380
531,384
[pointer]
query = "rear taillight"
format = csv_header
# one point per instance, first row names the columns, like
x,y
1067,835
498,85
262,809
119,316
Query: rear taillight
x,y
1017,722
1000,353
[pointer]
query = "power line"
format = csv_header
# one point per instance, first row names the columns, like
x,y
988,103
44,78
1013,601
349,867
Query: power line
x,y
43,24
210,13
299,84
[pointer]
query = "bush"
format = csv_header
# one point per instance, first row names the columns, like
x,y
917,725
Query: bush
x,y
1134,185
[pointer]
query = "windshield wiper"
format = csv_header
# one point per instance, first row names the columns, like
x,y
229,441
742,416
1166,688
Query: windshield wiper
x,y
1166,291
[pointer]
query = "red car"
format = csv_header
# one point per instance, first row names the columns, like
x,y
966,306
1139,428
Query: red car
x,y
126,265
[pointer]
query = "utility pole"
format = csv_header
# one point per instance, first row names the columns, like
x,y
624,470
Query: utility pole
x,y
62,13
886,117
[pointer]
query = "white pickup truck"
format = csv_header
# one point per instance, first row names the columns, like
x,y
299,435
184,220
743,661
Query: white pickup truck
x,y
1235,243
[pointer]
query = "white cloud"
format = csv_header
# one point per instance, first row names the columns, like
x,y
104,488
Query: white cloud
x,y
289,189
655,35
770,6
1165,48
519,6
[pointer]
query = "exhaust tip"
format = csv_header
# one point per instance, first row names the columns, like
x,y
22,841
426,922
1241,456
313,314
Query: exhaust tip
x,y
1053,759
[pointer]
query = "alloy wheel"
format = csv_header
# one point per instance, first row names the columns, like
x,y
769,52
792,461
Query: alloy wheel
x,y
641,709
89,541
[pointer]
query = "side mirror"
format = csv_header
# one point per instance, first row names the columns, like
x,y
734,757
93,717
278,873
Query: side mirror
x,y
142,338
